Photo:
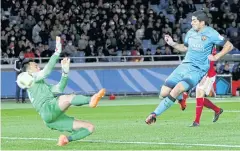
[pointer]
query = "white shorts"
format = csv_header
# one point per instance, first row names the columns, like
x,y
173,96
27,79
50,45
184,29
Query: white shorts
x,y
206,84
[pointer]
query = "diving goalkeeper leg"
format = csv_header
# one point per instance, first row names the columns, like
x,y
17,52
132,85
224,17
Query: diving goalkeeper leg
x,y
65,101
81,130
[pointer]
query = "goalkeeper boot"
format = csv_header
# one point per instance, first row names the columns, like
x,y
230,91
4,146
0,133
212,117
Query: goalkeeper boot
x,y
151,119
194,124
216,115
96,98
62,140
183,102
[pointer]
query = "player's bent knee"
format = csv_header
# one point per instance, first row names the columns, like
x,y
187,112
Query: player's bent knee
x,y
163,94
91,128
77,124
165,91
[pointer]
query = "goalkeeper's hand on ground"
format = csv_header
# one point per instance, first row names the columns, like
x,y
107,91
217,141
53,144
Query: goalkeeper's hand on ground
x,y
65,65
58,48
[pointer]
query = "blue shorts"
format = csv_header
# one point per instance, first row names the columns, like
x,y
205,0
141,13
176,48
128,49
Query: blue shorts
x,y
185,72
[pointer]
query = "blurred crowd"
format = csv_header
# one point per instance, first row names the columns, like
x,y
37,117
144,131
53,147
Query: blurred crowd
x,y
232,68
107,27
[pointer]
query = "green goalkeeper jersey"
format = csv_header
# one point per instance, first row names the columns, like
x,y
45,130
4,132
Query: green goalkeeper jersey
x,y
41,92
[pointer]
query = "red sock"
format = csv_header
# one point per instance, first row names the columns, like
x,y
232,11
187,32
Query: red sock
x,y
210,105
199,108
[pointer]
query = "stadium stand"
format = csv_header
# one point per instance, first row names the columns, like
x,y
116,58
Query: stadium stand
x,y
107,27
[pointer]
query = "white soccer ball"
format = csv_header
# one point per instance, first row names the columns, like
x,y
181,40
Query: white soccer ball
x,y
25,80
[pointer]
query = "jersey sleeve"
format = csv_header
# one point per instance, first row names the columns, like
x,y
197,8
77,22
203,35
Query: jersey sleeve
x,y
47,69
217,39
59,88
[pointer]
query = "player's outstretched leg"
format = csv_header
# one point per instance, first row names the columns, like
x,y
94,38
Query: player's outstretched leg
x,y
218,111
164,93
81,130
65,101
167,102
217,114
151,118
96,98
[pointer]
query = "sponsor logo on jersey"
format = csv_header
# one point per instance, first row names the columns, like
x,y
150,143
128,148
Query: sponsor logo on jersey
x,y
197,47
196,44
204,38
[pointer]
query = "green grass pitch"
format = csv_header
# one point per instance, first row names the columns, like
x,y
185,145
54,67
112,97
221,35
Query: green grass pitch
x,y
119,125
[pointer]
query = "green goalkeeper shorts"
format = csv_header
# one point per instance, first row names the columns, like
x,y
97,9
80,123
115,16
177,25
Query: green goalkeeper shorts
x,y
54,118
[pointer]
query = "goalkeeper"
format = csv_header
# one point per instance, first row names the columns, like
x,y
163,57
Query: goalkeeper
x,y
51,108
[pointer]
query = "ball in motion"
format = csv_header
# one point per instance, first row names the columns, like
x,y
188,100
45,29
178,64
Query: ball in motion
x,y
25,80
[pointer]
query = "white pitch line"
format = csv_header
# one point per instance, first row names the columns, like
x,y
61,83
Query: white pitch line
x,y
122,142
224,111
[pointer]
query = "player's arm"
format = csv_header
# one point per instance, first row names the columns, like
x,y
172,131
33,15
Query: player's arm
x,y
179,47
51,63
59,88
220,40
227,47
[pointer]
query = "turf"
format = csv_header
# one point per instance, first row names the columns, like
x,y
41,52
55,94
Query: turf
x,y
119,125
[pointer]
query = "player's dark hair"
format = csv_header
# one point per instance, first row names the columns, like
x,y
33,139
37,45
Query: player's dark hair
x,y
25,64
24,67
201,16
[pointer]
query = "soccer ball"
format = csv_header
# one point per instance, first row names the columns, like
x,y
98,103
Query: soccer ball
x,y
25,80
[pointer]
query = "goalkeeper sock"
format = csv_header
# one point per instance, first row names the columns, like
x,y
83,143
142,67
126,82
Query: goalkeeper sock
x,y
80,134
199,108
164,105
79,100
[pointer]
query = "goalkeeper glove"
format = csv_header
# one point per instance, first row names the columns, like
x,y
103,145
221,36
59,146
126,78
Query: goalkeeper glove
x,y
58,48
65,65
